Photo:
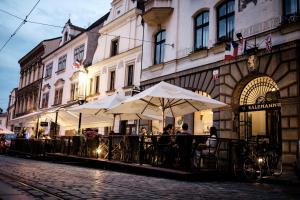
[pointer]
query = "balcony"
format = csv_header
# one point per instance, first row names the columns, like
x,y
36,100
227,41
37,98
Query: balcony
x,y
157,11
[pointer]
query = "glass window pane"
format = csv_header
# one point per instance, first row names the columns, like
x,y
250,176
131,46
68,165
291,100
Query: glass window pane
x,y
222,29
199,38
158,37
205,17
157,54
162,52
205,36
230,7
163,35
290,7
222,10
230,27
199,20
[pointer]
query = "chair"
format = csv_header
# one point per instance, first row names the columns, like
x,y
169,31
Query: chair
x,y
209,153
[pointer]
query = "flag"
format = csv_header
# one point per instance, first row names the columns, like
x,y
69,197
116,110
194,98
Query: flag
x,y
77,64
268,42
231,51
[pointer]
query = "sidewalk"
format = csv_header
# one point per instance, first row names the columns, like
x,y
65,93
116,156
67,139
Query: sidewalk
x,y
134,168
288,177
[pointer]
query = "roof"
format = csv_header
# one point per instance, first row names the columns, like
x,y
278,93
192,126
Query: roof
x,y
98,22
35,48
3,114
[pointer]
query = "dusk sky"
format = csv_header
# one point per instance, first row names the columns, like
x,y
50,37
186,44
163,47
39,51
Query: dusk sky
x,y
81,12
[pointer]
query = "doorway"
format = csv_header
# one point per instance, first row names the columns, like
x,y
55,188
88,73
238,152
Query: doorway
x,y
259,112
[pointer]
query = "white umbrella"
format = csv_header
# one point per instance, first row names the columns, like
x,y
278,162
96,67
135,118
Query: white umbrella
x,y
99,109
164,99
4,130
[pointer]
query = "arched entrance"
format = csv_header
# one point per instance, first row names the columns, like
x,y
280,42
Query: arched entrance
x,y
259,111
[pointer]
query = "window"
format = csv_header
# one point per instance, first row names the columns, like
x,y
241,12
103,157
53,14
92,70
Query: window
x,y
225,21
66,36
45,100
291,7
129,75
114,47
201,31
112,80
62,61
58,96
48,70
159,51
79,53
91,86
74,91
97,84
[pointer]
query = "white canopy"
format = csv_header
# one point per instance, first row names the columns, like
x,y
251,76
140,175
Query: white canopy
x,y
98,108
4,130
164,99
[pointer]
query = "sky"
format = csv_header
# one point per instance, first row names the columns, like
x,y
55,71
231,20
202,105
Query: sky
x,y
81,12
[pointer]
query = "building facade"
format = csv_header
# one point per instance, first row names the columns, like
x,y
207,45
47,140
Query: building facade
x,y
64,82
11,109
260,85
3,119
31,76
117,60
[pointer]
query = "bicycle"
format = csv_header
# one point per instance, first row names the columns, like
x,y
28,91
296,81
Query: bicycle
x,y
262,162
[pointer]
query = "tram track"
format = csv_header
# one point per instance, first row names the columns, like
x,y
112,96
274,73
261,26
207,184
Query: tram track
x,y
5,177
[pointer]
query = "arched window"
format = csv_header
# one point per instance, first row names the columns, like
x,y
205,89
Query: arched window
x,y
159,51
291,7
225,18
201,31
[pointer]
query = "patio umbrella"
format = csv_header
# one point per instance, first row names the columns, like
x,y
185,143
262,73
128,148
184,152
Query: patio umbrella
x,y
99,109
4,130
164,99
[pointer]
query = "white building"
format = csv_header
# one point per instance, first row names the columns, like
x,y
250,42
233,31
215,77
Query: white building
x,y
62,86
117,59
11,109
188,48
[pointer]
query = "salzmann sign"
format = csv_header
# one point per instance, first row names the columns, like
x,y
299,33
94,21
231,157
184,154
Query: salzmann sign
x,y
255,107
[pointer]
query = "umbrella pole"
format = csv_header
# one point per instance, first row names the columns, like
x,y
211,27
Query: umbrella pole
x,y
55,127
79,123
113,126
163,112
37,127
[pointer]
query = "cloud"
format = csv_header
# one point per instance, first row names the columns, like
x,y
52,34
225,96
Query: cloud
x,y
57,12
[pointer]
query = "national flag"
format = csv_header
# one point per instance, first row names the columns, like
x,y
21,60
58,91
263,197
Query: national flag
x,y
268,42
77,64
231,51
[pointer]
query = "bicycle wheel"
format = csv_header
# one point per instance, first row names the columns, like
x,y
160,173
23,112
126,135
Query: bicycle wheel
x,y
250,169
277,170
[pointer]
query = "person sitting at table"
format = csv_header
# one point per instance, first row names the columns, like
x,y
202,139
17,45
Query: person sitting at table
x,y
143,132
208,148
184,145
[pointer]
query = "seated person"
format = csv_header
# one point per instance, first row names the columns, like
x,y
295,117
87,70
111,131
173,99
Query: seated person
x,y
210,144
184,144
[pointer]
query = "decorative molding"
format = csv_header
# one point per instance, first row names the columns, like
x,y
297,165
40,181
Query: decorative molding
x,y
59,82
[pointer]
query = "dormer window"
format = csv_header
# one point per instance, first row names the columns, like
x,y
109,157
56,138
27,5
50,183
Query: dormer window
x,y
66,36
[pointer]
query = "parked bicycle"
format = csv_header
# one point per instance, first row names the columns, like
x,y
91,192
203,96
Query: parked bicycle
x,y
264,161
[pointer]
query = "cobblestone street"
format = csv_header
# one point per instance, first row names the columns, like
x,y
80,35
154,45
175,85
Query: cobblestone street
x,y
44,180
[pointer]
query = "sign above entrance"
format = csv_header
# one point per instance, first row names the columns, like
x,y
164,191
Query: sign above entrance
x,y
44,124
256,107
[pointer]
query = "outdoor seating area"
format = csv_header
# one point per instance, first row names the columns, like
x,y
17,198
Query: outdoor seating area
x,y
135,149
